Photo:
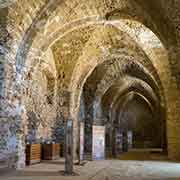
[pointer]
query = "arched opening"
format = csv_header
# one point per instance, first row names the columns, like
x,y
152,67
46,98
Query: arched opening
x,y
68,63
102,90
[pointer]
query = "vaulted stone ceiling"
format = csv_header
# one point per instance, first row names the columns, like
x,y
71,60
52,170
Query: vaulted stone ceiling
x,y
90,40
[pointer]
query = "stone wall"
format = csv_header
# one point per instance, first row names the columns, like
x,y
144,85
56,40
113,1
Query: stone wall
x,y
29,28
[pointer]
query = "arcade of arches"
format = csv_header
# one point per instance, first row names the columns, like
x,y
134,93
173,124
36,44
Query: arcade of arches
x,y
108,63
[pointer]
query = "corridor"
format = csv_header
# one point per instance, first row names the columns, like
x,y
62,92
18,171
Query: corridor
x,y
93,81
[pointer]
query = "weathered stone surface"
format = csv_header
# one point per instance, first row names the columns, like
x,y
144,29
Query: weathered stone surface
x,y
51,47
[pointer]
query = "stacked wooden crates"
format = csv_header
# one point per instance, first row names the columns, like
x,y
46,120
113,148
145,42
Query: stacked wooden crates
x,y
33,153
36,152
51,151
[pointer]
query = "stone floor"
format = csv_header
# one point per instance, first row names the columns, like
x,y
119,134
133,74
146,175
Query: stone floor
x,y
128,166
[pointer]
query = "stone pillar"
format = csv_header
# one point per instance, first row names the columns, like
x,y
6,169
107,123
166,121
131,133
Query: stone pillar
x,y
163,131
125,141
64,100
69,147
98,149
75,140
80,148
78,143
113,141
11,115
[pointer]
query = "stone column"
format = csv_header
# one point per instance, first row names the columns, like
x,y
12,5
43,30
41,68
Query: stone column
x,y
64,99
69,146
80,147
11,114
163,132
125,141
75,140
113,141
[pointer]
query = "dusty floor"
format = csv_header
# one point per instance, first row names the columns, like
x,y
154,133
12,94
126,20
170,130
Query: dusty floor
x,y
154,168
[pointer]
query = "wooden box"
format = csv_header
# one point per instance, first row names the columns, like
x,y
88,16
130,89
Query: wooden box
x,y
33,154
51,151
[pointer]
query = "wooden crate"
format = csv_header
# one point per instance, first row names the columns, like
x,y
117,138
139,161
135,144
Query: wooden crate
x,y
33,154
51,151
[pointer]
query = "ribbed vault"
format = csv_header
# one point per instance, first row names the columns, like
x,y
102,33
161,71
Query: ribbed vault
x,y
103,49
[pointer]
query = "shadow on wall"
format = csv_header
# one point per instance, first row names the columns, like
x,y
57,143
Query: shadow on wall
x,y
58,129
33,123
